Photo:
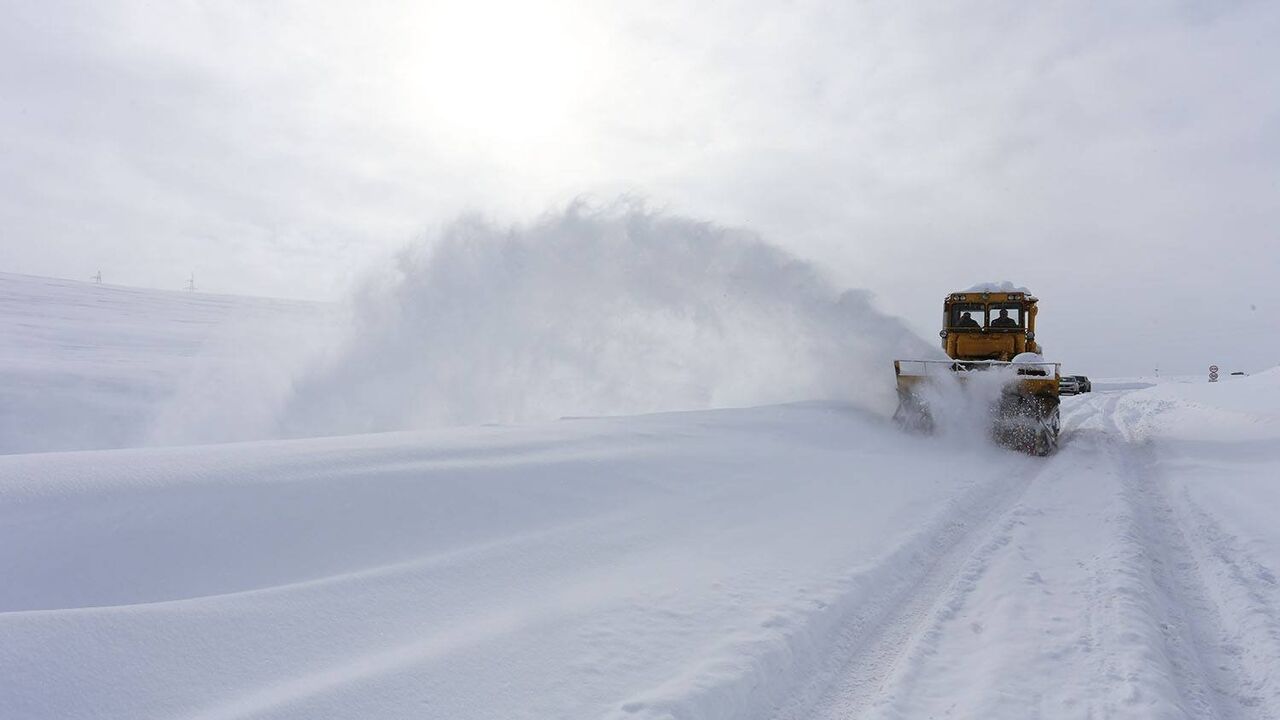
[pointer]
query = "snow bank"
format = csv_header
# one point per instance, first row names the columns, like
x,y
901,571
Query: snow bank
x,y
1236,408
594,311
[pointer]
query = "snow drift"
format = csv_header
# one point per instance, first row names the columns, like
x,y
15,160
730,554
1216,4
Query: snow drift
x,y
593,311
692,563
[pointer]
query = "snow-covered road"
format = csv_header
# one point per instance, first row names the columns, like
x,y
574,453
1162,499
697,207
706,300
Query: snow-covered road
x,y
1101,588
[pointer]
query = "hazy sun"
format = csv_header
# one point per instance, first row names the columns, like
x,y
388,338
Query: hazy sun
x,y
491,71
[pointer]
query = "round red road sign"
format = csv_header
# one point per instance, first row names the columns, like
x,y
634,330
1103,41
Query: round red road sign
x,y
1213,368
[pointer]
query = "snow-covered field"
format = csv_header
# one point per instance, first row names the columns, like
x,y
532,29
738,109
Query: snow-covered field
x,y
787,561
95,366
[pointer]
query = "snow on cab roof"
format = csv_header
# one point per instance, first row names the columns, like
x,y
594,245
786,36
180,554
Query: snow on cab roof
x,y
1004,286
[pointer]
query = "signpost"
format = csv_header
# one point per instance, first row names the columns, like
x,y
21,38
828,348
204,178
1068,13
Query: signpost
x,y
1213,373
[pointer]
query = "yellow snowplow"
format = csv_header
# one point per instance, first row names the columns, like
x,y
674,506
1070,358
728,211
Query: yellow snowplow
x,y
990,338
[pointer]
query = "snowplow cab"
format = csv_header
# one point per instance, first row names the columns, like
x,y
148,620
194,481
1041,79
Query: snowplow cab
x,y
989,325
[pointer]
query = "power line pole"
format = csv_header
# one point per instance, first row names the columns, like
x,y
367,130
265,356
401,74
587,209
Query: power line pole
x,y
191,283
97,278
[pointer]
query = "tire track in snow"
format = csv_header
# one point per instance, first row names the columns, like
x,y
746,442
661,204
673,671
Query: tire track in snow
x,y
1249,588
1163,563
1213,679
875,653
786,676
1133,629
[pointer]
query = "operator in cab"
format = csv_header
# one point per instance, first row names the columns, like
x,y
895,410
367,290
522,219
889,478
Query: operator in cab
x,y
1004,321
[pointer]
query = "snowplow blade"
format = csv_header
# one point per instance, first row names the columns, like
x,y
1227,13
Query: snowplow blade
x,y
1024,416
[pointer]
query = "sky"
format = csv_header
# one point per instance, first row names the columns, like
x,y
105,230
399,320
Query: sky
x,y
1122,160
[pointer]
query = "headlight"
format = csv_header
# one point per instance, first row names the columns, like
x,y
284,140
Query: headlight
x,y
1031,335
942,333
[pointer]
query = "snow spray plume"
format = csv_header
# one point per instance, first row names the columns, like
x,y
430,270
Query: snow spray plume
x,y
595,311
962,412
234,389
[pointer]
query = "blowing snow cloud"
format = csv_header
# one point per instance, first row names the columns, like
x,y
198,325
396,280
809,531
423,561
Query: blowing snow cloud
x,y
593,310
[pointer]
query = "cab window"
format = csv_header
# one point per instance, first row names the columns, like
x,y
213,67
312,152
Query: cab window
x,y
1007,316
968,315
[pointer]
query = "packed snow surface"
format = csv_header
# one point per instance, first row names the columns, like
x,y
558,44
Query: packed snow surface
x,y
786,561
